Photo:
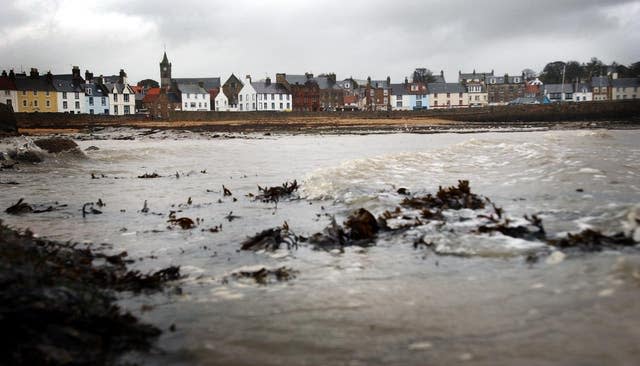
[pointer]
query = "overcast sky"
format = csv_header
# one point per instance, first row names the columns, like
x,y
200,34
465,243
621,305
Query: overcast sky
x,y
349,37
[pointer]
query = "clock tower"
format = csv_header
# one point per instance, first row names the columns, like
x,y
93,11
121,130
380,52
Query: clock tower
x,y
165,73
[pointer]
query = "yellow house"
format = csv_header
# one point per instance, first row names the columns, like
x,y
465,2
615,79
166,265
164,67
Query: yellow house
x,y
36,93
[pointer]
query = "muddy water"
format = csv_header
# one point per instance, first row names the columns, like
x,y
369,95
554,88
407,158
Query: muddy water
x,y
468,298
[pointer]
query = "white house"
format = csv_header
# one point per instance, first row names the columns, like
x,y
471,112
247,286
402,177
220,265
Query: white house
x,y
221,102
122,99
400,98
8,91
582,93
272,96
247,97
447,95
194,97
559,92
625,88
70,96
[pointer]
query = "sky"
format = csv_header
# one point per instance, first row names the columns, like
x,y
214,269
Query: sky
x,y
352,38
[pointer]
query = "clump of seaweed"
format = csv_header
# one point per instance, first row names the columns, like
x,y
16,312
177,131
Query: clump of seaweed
x,y
264,276
274,194
272,239
149,176
57,304
451,198
592,241
22,207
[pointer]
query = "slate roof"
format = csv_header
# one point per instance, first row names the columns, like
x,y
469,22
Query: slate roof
x,y
297,79
599,81
262,88
439,79
96,90
379,84
67,77
445,88
471,76
325,83
558,88
191,89
582,88
28,83
66,86
626,83
208,83
6,83
399,89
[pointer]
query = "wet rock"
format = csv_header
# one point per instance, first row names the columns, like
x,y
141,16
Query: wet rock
x,y
8,124
226,192
271,239
26,155
22,207
184,222
92,148
362,225
56,145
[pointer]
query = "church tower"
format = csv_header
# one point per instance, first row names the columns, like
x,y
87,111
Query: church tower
x,y
165,72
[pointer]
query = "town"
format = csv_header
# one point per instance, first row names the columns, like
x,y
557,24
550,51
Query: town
x,y
75,93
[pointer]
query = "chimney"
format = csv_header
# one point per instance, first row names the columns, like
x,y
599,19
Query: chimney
x,y
388,81
308,75
248,77
442,73
88,76
100,80
201,84
406,81
12,74
4,73
281,78
267,82
369,81
49,77
34,73
122,77
75,72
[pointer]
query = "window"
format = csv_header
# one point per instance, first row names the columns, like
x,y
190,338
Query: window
x,y
281,97
436,103
273,96
253,105
419,103
448,95
88,91
65,105
247,105
399,104
386,92
273,106
115,97
76,95
281,105
47,103
199,104
288,96
460,103
24,103
77,105
35,92
186,105
265,105
46,93
193,104
241,97
90,111
288,106
104,101
64,95
115,109
126,97
217,103
460,95
241,104
24,92
35,102
435,95
90,100
106,111
127,109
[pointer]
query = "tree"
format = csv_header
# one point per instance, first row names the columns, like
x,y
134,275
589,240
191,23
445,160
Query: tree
x,y
423,75
635,69
148,83
593,68
574,72
552,73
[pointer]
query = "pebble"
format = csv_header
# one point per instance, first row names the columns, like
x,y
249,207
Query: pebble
x,y
420,346
556,257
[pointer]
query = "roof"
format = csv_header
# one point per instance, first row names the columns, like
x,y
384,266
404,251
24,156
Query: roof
x,y
599,81
324,82
626,83
154,93
398,89
28,83
6,83
297,79
445,88
525,100
191,89
208,83
261,87
439,79
558,88
582,88
473,75
66,86
380,84
67,77
96,90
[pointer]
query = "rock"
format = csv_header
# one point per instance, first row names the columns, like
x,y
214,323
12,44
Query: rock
x,y
92,148
8,122
56,145
363,225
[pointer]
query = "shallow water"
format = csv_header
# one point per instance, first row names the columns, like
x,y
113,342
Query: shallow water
x,y
470,297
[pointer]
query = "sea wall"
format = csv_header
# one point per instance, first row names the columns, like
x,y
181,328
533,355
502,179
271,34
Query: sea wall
x,y
8,122
588,111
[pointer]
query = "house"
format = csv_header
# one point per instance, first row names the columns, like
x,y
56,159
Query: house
x,y
475,82
533,88
273,96
625,88
474,77
418,95
304,89
558,92
193,97
221,102
247,96
69,91
439,78
122,99
331,94
400,98
169,84
582,93
36,93
503,89
231,89
601,88
447,95
8,91
96,96
377,95
161,103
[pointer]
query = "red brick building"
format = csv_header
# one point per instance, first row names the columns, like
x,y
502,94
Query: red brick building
x,y
304,90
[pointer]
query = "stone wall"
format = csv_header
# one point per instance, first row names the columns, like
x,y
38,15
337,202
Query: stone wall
x,y
7,119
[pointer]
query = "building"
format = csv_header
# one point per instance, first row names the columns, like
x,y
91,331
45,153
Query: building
x,y
304,89
400,98
447,95
625,88
122,99
171,86
222,103
8,91
533,88
377,95
503,89
558,92
161,103
475,82
248,96
582,93
331,94
601,88
70,93
231,89
273,96
193,97
36,93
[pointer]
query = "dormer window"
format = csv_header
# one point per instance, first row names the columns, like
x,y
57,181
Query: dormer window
x,y
89,91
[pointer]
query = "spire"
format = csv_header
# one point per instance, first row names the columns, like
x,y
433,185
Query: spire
x,y
165,60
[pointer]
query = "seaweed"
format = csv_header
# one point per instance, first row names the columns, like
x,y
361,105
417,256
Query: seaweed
x,y
264,276
452,198
274,194
271,239
592,241
149,176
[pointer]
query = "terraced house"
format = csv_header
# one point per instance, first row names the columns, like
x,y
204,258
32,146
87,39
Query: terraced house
x,y
96,96
36,92
69,91
625,88
122,99
8,91
447,95
503,89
